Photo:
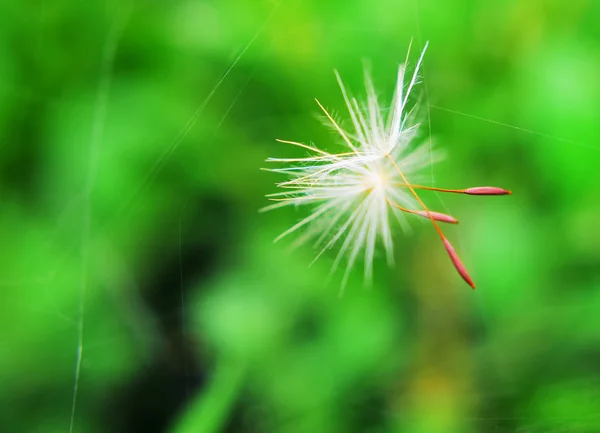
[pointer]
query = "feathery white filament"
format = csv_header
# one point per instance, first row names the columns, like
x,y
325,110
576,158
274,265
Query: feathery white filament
x,y
352,191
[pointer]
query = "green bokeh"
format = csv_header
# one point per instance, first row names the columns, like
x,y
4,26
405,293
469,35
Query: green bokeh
x,y
131,140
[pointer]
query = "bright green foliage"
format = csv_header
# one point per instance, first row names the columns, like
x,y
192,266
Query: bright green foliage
x,y
131,138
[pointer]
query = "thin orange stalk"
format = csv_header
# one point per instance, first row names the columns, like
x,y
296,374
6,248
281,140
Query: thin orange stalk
x,y
436,215
449,249
478,190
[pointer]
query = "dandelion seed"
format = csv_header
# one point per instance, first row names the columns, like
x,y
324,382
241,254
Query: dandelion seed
x,y
354,192
435,215
487,190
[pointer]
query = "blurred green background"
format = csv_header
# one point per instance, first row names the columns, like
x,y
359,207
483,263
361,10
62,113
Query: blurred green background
x,y
132,252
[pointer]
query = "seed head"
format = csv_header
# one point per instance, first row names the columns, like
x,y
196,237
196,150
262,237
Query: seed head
x,y
352,193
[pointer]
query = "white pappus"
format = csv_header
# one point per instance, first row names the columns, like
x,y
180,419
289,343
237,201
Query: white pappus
x,y
352,193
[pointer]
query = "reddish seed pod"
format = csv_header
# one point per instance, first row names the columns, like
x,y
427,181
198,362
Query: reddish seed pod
x,y
486,190
457,263
437,216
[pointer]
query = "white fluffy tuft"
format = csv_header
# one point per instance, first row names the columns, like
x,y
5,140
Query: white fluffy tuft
x,y
353,192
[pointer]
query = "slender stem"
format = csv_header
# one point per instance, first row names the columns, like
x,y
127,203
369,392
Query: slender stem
x,y
411,187
430,188
210,409
397,206
478,190
449,249
436,215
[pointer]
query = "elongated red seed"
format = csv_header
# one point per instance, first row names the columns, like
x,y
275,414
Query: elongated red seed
x,y
486,190
438,216
458,264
